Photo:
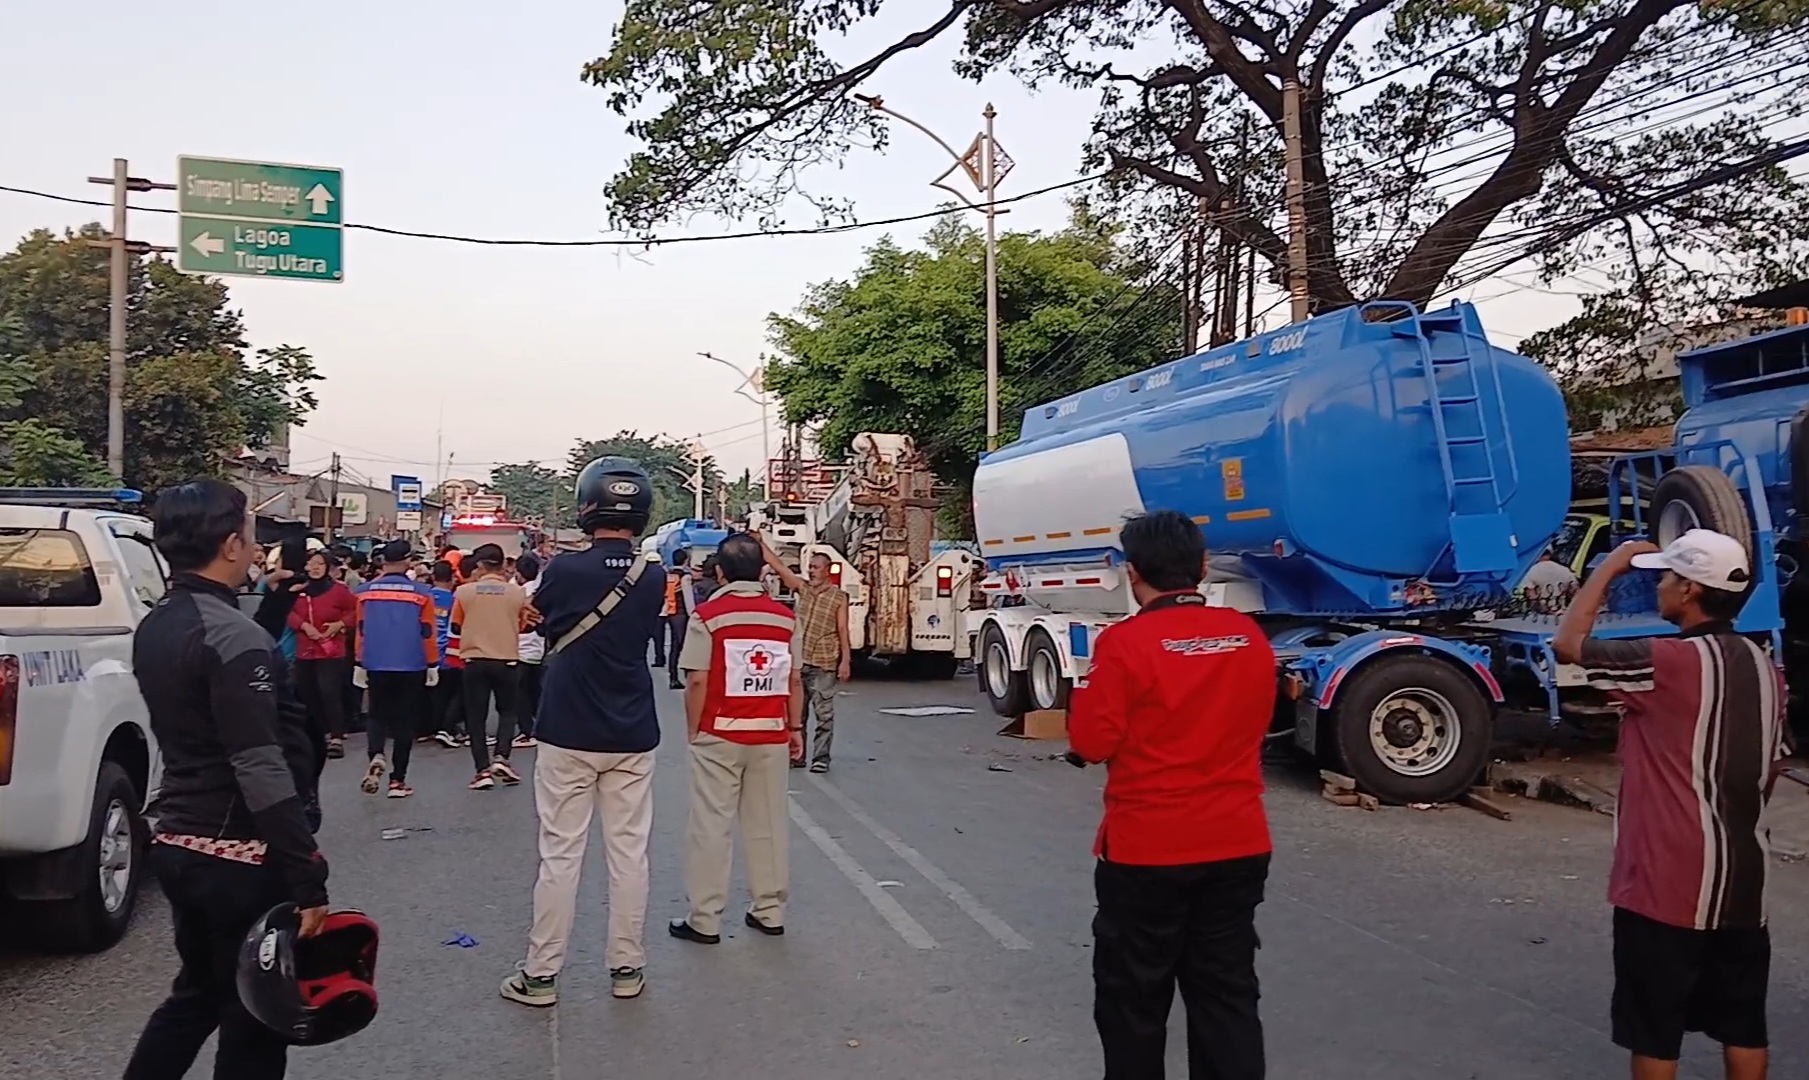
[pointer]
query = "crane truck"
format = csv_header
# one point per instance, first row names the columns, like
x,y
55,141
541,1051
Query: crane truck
x,y
907,603
1372,483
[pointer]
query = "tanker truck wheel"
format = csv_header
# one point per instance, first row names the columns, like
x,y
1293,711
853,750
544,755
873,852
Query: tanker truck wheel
x,y
1048,689
1699,497
1003,687
1413,729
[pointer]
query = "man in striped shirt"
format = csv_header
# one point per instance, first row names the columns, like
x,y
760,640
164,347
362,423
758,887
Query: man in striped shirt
x,y
1701,730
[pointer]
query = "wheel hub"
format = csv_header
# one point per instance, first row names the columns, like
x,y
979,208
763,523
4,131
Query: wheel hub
x,y
115,862
1415,731
1402,728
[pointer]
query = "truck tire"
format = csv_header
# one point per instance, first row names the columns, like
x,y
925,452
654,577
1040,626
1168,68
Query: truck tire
x,y
1412,729
113,864
1699,497
1044,684
1003,687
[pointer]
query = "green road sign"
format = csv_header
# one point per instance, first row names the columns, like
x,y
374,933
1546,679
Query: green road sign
x,y
260,190
261,249
260,219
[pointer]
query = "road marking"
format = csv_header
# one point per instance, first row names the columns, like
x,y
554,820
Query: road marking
x,y
963,899
889,909
552,1024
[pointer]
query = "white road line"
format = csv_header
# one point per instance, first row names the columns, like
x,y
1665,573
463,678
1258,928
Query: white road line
x,y
552,1023
963,899
889,909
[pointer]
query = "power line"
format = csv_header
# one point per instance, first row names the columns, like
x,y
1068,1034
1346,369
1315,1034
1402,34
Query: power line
x,y
645,242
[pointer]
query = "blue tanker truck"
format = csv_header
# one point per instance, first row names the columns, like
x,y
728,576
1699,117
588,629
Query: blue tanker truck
x,y
1372,483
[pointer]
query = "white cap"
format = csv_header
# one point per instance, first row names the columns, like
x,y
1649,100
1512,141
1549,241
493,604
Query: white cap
x,y
1707,558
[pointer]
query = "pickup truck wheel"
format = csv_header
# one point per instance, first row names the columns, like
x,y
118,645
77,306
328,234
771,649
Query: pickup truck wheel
x,y
1413,729
113,857
1003,687
1048,689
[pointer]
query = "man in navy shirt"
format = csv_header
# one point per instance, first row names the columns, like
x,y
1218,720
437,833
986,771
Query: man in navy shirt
x,y
597,729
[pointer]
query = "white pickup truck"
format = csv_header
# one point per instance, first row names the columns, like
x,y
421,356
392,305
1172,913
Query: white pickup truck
x,y
77,759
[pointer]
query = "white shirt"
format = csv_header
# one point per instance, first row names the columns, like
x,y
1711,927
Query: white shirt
x,y
533,646
1547,573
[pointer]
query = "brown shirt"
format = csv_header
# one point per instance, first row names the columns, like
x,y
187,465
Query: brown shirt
x,y
818,643
486,617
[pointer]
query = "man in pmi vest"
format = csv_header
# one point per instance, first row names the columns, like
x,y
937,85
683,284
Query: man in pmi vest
x,y
744,706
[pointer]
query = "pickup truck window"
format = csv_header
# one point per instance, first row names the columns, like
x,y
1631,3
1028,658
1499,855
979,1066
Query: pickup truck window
x,y
144,567
46,568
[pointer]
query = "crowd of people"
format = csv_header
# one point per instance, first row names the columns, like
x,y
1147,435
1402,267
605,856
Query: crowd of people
x,y
1177,706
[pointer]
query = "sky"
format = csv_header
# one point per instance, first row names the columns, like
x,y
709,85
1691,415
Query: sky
x,y
469,118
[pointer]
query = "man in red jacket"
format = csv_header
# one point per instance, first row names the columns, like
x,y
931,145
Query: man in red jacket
x,y
1176,705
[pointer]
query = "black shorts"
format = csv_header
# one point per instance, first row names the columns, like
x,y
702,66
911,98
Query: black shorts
x,y
1672,979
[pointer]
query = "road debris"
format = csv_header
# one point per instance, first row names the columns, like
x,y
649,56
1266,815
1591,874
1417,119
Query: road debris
x,y
993,766
462,940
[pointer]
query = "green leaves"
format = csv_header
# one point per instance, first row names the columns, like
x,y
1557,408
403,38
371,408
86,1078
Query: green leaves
x,y
901,346
193,400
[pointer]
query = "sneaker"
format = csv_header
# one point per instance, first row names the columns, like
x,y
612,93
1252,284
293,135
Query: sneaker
x,y
684,931
464,740
446,739
399,789
525,989
626,982
797,763
481,782
490,742
819,766
524,742
336,748
502,770
373,776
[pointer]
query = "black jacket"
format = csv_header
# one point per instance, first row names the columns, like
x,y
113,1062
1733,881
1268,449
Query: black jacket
x,y
597,695
239,760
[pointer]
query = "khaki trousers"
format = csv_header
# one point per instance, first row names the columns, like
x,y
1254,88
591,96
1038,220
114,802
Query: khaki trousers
x,y
731,781
570,787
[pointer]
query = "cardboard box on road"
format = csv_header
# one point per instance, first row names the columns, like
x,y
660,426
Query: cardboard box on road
x,y
1038,724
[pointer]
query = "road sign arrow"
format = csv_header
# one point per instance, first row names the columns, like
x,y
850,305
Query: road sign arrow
x,y
206,244
318,197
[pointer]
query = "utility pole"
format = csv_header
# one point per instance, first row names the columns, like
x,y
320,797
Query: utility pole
x,y
123,183
1299,306
991,168
757,380
333,500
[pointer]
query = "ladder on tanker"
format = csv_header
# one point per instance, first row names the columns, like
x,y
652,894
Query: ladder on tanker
x,y
1482,535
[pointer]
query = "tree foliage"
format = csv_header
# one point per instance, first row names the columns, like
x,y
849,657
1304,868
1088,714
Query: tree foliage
x,y
901,346
1440,141
194,399
534,489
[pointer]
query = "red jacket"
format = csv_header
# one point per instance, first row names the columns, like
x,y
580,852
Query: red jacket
x,y
336,605
751,670
1177,704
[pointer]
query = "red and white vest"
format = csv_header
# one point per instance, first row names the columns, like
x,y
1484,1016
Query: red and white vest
x,y
749,695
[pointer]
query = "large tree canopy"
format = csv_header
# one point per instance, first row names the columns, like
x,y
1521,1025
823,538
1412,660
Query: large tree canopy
x,y
194,400
534,490
901,346
1440,140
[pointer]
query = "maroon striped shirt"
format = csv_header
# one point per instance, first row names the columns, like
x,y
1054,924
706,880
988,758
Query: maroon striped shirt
x,y
1702,724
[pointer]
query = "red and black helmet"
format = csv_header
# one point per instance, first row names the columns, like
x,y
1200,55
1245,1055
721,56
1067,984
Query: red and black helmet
x,y
315,990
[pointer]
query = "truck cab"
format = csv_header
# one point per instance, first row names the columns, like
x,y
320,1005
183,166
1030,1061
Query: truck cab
x,y
78,761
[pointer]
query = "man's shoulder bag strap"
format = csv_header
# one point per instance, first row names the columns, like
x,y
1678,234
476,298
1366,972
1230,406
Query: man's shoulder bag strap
x,y
607,605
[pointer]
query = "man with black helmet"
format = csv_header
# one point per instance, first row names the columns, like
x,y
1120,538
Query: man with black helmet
x,y
597,728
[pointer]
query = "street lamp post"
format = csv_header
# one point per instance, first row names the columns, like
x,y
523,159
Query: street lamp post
x,y
755,379
986,164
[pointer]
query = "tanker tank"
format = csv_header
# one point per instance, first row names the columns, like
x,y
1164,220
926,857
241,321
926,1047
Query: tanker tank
x,y
1374,461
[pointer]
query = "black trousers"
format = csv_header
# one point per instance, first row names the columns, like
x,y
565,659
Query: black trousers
x,y
1192,926
446,703
675,631
398,699
527,698
487,680
213,903
320,685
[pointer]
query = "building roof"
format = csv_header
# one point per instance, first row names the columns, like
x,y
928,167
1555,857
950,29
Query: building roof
x,y
1623,441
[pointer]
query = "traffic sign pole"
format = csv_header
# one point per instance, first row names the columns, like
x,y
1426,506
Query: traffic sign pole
x,y
123,183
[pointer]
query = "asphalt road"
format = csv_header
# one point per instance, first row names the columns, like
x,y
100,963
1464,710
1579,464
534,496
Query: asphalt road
x,y
939,927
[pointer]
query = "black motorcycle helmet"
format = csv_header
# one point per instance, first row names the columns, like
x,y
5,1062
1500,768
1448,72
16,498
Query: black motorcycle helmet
x,y
614,493
315,990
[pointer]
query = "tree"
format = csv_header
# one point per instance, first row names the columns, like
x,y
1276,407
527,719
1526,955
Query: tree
x,y
535,490
901,346
667,461
194,400
1439,141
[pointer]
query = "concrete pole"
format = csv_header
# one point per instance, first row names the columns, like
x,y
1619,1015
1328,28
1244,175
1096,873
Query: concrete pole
x,y
116,327
989,158
1299,306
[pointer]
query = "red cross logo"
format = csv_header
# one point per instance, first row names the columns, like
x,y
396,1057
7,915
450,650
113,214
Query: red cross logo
x,y
758,660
